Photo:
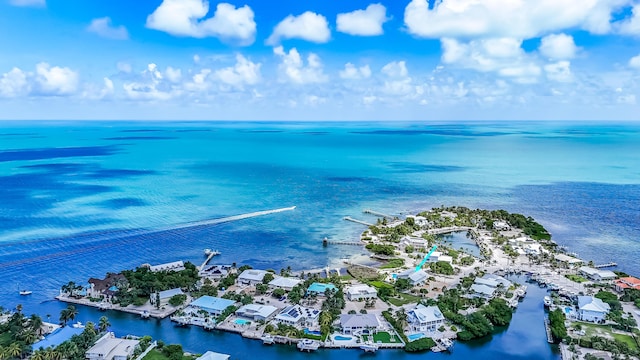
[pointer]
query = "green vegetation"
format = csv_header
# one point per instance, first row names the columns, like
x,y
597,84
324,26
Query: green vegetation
x,y
278,293
392,264
380,249
73,349
609,298
442,267
556,322
167,352
403,299
398,322
241,298
142,282
498,312
18,333
420,345
467,260
225,314
575,278
177,300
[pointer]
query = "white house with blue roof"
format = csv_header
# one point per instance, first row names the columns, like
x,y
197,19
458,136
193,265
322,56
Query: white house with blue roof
x,y
425,318
592,309
213,305
57,337
165,296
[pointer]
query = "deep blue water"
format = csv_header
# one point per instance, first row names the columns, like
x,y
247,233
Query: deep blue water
x,y
80,199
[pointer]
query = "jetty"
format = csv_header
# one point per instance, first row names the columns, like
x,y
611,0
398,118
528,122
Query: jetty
x,y
609,264
547,327
348,218
376,213
209,257
326,242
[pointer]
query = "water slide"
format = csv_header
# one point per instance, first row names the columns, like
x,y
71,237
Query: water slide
x,y
426,257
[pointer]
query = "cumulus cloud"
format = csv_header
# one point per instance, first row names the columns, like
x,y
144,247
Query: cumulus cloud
x,y
506,18
149,85
558,46
366,22
293,69
174,75
244,72
351,72
397,80
186,18
31,3
631,26
14,83
94,92
634,62
308,26
56,80
104,28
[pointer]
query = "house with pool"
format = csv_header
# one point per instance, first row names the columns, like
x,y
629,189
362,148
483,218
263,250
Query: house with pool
x,y
357,323
319,289
256,312
297,315
212,305
592,309
415,277
425,318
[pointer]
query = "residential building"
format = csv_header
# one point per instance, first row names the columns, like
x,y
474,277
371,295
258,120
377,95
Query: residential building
x,y
628,282
251,277
320,288
109,347
361,292
164,296
57,337
297,315
501,225
487,285
256,312
439,256
568,260
414,277
592,309
210,355
597,274
425,318
172,266
213,305
418,244
107,287
284,283
352,323
215,272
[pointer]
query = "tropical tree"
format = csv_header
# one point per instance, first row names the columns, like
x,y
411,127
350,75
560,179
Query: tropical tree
x,y
2,353
35,323
14,350
38,355
73,312
401,316
103,324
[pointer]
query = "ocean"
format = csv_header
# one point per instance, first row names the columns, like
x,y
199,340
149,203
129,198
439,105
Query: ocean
x,y
79,199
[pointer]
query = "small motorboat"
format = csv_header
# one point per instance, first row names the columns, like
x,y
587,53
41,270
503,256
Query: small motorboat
x,y
26,292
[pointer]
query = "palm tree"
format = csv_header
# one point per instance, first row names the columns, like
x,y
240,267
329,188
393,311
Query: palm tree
x,y
73,312
104,324
38,355
2,353
55,355
35,323
19,308
401,315
29,337
64,316
13,350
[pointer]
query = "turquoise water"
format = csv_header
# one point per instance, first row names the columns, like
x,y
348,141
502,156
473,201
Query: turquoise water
x,y
80,199
459,240
342,338
312,332
241,321
415,336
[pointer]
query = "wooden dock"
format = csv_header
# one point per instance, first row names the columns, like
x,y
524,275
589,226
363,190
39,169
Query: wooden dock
x,y
326,242
610,264
348,218
547,328
369,211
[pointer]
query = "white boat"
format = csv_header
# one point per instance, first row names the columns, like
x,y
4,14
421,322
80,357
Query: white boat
x,y
78,325
145,314
446,343
267,339
308,345
26,292
369,347
207,252
547,301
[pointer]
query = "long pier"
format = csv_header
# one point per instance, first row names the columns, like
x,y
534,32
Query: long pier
x,y
547,328
369,211
610,264
326,242
348,218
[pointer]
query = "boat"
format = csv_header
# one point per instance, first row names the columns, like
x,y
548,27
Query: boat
x,y
145,314
445,343
78,325
308,345
207,252
547,301
26,292
369,347
267,339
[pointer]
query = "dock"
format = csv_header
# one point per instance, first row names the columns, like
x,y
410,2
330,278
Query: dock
x,y
547,327
610,264
348,218
376,213
326,242
209,257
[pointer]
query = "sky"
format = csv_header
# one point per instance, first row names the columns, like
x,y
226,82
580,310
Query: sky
x,y
320,60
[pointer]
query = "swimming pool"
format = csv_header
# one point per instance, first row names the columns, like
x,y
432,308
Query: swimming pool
x,y
567,310
242,322
415,336
342,338
312,332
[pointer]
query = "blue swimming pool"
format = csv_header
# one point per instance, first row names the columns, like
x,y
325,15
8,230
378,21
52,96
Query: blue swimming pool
x,y
312,332
242,321
567,310
342,338
415,336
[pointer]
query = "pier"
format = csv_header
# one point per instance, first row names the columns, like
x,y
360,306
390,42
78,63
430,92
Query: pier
x,y
326,242
547,327
209,257
610,264
357,221
369,211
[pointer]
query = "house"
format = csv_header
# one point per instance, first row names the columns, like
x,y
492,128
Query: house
x,y
164,296
487,285
320,288
479,290
425,318
256,312
419,220
592,309
251,277
361,292
105,287
597,274
533,249
414,277
439,256
352,323
448,214
416,243
284,283
213,305
215,271
297,315
109,347
568,260
501,225
172,266
628,282
210,355
57,337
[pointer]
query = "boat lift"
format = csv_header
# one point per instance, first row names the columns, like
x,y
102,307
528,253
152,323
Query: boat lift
x,y
426,257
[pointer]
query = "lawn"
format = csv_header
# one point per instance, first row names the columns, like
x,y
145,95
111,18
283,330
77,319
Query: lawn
x,y
605,331
575,278
393,263
384,337
404,299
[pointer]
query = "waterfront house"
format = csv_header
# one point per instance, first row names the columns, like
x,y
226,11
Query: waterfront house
x,y
106,287
297,315
533,249
592,309
210,355
484,291
419,220
415,242
361,292
164,296
628,282
414,277
439,256
251,277
350,323
487,285
256,312
57,337
425,318
172,266
284,283
213,305
501,225
568,260
109,347
597,274
320,288
215,272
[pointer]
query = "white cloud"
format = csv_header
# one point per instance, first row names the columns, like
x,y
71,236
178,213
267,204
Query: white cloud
x,y
14,83
351,72
94,92
507,18
366,22
308,26
56,80
560,71
634,62
200,81
196,58
174,75
558,46
293,69
104,28
630,26
243,72
397,80
185,18
150,86
31,3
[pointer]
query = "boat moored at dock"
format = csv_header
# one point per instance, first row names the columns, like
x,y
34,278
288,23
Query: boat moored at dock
x,y
308,345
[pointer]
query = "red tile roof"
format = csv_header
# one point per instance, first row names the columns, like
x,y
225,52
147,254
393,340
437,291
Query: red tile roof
x,y
628,283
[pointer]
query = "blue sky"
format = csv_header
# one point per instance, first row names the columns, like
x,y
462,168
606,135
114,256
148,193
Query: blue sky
x,y
315,60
